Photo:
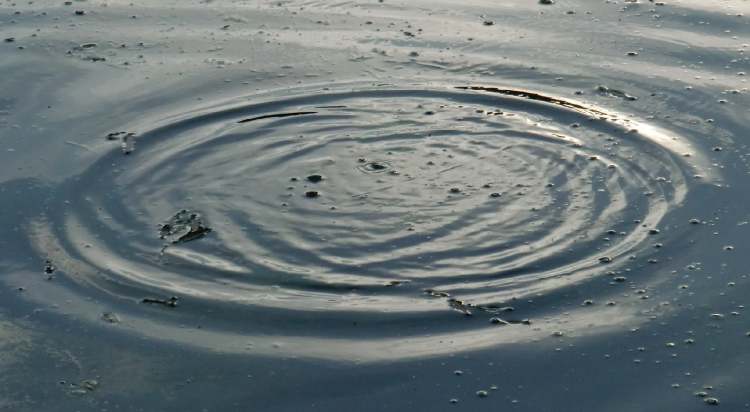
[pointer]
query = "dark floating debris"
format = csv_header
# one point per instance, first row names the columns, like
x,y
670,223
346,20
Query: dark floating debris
x,y
184,226
271,116
461,306
315,178
614,92
49,268
312,194
126,139
84,387
374,166
171,302
110,317
436,293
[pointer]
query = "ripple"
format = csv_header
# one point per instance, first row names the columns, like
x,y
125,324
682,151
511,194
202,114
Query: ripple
x,y
436,201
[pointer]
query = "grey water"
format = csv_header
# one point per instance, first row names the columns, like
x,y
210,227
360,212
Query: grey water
x,y
305,205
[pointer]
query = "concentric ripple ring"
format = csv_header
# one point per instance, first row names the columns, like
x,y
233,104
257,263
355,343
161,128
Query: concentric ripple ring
x,y
430,203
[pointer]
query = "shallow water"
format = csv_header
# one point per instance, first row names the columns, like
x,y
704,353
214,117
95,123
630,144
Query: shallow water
x,y
307,205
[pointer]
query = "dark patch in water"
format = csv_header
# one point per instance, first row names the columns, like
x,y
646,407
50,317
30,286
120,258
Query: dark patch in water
x,y
271,116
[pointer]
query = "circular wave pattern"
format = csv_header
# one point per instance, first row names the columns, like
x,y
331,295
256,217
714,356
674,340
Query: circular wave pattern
x,y
356,223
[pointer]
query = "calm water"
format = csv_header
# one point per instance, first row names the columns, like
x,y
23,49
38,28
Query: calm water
x,y
398,205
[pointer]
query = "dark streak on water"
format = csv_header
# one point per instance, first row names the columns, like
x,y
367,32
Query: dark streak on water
x,y
271,116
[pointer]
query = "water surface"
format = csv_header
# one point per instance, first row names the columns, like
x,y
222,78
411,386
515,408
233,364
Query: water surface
x,y
306,205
